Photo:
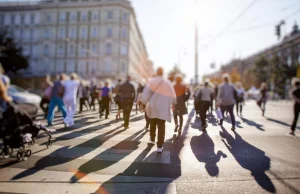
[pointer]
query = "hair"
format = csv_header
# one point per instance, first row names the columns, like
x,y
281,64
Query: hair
x,y
160,71
178,78
62,76
226,77
119,80
263,85
294,81
128,77
74,76
206,84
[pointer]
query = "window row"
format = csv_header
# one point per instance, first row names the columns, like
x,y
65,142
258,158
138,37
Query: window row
x,y
19,19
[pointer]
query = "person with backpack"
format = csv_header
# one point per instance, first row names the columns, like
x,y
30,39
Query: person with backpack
x,y
227,95
56,99
180,109
295,95
204,97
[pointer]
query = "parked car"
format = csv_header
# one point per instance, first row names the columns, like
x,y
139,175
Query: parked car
x,y
22,96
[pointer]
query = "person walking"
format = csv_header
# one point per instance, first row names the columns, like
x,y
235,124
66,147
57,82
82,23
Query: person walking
x,y
71,88
240,98
117,99
138,97
127,93
263,97
56,99
47,86
94,94
105,98
226,99
180,108
83,95
159,95
204,95
295,95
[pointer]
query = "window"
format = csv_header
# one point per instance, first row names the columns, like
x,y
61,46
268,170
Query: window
x,y
124,50
289,61
108,66
94,49
95,16
62,32
82,50
109,14
47,33
46,50
12,19
31,34
62,16
124,33
278,54
22,19
109,32
70,67
2,19
73,16
32,18
83,32
72,32
94,32
125,17
48,17
61,50
60,67
108,49
21,34
123,69
71,50
83,16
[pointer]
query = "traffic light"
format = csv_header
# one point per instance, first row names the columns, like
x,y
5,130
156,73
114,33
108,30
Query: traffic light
x,y
277,31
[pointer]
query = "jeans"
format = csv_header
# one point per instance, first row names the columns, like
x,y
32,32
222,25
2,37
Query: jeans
x,y
71,110
239,105
93,102
105,107
296,115
127,107
55,101
229,109
203,110
161,125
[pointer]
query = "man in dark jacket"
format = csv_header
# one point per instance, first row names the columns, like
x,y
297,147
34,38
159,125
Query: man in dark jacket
x,y
127,93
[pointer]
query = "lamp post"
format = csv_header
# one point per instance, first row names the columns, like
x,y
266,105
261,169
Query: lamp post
x,y
196,46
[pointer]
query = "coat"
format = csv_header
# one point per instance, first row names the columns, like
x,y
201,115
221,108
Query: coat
x,y
180,108
159,95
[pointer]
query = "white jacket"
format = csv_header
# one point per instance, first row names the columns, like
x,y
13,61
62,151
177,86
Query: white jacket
x,y
159,95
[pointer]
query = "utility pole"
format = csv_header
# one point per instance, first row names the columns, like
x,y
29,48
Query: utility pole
x,y
196,54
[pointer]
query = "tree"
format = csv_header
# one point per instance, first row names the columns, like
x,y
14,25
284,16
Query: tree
x,y
11,56
261,70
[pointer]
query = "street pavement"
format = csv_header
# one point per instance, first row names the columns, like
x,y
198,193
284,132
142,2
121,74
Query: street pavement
x,y
100,156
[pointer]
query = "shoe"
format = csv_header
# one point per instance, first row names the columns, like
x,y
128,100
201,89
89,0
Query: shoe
x,y
146,128
176,127
159,150
66,125
233,128
180,129
152,142
49,125
116,117
126,127
292,133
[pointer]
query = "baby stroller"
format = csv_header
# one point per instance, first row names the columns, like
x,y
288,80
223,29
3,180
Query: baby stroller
x,y
18,129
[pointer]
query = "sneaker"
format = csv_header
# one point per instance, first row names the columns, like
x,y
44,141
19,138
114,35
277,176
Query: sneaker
x,y
159,150
146,128
292,133
233,128
152,142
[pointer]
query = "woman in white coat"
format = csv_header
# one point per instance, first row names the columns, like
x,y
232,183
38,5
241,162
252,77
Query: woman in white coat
x,y
159,95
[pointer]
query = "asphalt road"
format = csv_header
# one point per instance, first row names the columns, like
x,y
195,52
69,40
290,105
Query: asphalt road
x,y
99,156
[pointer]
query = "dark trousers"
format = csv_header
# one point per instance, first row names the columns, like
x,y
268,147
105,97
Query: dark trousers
x,y
180,120
83,102
45,105
147,121
127,107
105,107
92,104
239,105
203,109
161,126
230,110
100,105
296,115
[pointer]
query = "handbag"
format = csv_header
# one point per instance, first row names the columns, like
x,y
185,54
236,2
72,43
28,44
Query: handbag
x,y
219,114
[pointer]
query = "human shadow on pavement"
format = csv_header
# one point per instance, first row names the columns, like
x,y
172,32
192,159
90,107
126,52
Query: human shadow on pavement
x,y
66,154
280,122
252,123
203,148
212,119
249,157
95,164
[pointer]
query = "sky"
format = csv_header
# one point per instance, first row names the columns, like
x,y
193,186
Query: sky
x,y
168,28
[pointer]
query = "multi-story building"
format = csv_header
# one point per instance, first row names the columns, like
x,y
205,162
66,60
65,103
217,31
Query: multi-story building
x,y
95,38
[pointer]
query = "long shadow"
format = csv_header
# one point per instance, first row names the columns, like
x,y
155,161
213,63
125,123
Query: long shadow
x,y
252,123
49,161
172,170
204,149
131,143
250,158
212,119
280,122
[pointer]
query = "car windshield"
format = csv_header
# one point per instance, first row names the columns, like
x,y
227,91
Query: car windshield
x,y
15,89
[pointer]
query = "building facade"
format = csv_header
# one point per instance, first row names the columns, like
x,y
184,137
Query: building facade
x,y
95,38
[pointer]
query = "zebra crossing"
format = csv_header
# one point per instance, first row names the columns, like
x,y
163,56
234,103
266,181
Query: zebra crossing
x,y
92,156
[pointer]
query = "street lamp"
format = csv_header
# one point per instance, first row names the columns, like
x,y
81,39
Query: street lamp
x,y
181,50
